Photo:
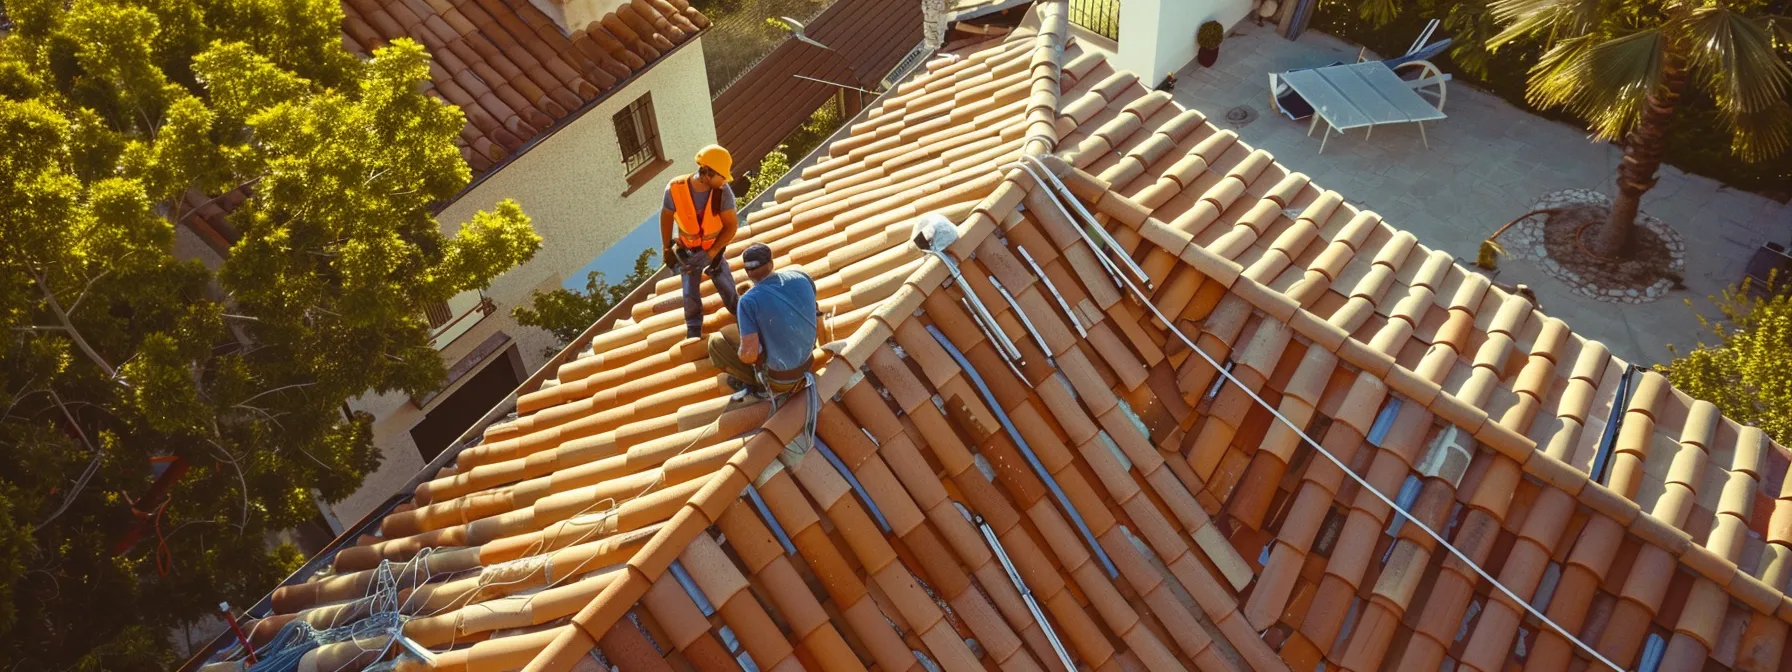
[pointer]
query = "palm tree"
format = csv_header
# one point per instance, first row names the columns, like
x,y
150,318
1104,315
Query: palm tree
x,y
1623,65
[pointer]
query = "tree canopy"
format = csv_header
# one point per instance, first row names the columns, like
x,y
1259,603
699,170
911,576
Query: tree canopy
x,y
163,418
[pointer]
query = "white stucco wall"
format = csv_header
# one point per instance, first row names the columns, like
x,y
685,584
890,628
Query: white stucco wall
x,y
1157,37
572,186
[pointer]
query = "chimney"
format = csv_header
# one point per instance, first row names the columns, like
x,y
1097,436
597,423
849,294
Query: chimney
x,y
933,23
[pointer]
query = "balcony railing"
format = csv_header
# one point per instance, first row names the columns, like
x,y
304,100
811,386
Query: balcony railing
x,y
1100,16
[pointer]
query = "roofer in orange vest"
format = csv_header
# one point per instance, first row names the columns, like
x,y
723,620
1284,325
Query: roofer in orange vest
x,y
697,221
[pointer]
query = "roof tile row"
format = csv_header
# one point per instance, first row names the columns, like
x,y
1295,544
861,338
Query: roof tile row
x,y
648,520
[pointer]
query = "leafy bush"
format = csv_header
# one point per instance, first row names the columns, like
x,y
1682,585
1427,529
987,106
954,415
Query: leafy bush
x,y
1210,35
1698,142
566,314
799,143
1745,373
771,169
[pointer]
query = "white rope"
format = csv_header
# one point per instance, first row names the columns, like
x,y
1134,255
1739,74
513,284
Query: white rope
x,y
1364,483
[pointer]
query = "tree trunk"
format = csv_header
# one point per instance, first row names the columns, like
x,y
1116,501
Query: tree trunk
x,y
1643,148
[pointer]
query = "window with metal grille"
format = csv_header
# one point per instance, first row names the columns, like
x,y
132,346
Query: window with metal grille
x,y
1100,16
639,134
438,314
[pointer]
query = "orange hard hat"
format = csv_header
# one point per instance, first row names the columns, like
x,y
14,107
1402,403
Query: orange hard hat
x,y
715,158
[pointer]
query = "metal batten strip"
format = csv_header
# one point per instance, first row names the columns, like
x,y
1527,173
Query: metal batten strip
x,y
770,520
1022,314
1107,264
978,312
1090,222
1045,626
1068,313
1051,482
853,481
1362,482
985,329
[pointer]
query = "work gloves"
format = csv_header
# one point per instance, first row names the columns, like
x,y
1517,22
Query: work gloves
x,y
683,260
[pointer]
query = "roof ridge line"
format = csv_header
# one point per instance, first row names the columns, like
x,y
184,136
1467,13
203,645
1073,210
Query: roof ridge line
x,y
1047,70
1547,468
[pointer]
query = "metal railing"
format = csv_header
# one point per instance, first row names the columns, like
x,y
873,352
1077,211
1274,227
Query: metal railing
x,y
1100,16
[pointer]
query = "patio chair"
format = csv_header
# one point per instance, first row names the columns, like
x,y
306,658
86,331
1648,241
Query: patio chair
x,y
1425,80
1284,100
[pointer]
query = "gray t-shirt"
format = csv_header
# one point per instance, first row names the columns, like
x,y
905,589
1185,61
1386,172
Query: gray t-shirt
x,y
700,199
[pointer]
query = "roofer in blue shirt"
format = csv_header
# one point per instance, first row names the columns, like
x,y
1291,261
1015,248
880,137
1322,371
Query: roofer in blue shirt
x,y
772,346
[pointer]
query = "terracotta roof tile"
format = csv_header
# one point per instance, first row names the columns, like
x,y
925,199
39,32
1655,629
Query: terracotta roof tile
x,y
617,463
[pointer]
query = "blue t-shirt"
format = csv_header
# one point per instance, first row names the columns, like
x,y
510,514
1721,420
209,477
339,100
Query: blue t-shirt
x,y
781,309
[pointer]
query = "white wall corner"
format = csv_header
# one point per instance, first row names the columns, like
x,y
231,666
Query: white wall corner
x,y
1157,37
575,15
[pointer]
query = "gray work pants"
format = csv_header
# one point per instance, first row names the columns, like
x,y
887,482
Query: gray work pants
x,y
694,265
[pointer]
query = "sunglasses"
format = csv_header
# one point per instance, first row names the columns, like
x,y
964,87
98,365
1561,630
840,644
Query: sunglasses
x,y
704,171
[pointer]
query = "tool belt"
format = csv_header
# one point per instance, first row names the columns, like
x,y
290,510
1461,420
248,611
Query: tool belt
x,y
784,381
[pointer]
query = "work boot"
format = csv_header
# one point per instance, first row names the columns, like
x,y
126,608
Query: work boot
x,y
743,389
691,331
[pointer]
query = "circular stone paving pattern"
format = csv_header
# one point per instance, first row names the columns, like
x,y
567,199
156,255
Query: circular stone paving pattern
x,y
1538,240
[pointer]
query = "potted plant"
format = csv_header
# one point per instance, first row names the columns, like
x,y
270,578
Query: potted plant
x,y
1208,38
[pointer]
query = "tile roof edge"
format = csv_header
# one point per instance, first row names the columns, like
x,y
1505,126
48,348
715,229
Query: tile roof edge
x,y
835,375
1488,431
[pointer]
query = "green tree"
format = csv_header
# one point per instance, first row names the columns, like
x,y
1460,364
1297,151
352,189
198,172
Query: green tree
x,y
1744,373
566,314
771,169
120,359
1624,65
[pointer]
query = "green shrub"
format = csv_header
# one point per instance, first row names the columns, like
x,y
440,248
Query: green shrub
x,y
1698,142
1210,35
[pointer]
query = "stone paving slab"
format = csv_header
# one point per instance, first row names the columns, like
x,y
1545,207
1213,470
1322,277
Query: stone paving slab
x,y
1486,165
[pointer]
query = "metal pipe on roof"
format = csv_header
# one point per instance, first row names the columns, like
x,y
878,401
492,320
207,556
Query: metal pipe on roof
x,y
1022,314
853,481
1051,482
1006,347
986,333
1106,264
946,232
1068,313
1089,220
1602,459
1026,594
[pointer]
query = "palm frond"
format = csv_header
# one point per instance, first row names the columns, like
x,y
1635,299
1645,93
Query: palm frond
x,y
1761,134
1780,27
1379,12
1605,81
1734,57
1549,19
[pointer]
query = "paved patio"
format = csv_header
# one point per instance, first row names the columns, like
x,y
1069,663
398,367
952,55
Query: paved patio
x,y
1487,164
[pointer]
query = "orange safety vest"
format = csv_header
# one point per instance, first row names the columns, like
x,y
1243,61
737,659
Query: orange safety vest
x,y
696,230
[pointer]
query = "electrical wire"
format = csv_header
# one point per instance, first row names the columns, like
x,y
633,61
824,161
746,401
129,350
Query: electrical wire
x,y
1051,191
